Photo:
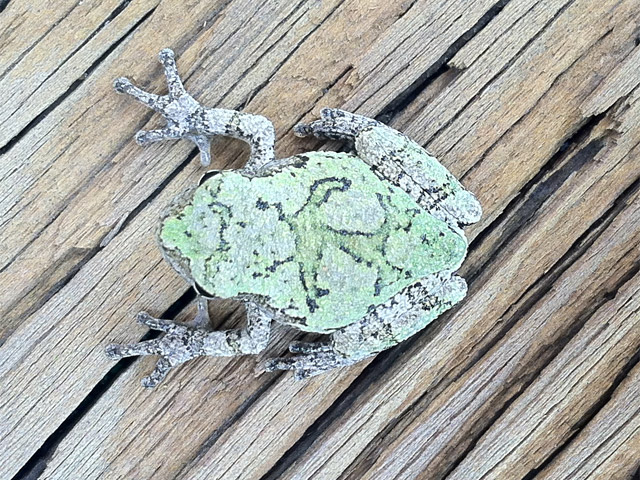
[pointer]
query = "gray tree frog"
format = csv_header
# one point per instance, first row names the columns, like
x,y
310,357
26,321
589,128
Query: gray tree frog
x,y
361,246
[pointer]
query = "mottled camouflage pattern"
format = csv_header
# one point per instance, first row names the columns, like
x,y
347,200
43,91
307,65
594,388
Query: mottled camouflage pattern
x,y
364,246
321,241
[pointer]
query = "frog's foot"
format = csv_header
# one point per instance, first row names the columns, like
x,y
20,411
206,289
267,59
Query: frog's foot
x,y
181,110
183,342
315,358
179,344
335,124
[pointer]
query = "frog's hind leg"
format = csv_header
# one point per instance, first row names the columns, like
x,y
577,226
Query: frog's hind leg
x,y
401,161
182,342
390,323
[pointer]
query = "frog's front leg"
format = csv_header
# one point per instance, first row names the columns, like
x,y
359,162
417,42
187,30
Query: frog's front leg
x,y
406,313
186,118
401,161
183,342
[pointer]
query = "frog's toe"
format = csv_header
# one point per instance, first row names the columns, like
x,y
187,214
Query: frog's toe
x,y
151,100
302,130
122,84
113,351
335,124
164,365
166,55
274,364
145,137
160,324
303,374
117,351
332,113
320,129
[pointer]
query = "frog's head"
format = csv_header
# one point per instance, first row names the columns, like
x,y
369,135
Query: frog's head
x,y
168,241
188,230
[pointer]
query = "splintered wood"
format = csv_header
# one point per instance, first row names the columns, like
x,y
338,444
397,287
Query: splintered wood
x,y
533,104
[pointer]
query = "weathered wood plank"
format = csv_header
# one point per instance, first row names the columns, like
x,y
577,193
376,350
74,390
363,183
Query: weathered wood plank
x,y
57,353
499,115
608,447
413,45
79,34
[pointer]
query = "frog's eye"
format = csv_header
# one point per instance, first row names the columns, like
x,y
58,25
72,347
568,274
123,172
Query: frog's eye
x,y
208,175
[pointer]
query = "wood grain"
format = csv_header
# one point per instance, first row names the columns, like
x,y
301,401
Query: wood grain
x,y
534,104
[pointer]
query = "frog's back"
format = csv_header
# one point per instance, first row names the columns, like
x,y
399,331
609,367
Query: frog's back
x,y
321,240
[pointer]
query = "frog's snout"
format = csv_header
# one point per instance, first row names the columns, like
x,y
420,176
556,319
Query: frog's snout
x,y
171,255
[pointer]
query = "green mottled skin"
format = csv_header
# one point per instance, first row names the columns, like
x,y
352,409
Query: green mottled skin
x,y
321,240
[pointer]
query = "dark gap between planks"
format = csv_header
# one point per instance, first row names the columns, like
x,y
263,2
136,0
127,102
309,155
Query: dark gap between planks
x,y
42,115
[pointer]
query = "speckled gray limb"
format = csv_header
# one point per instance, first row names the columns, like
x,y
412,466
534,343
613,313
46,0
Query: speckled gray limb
x,y
310,364
335,124
402,316
401,161
186,118
183,342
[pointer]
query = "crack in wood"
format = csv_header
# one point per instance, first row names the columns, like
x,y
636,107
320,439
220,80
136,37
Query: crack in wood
x,y
117,11
265,53
42,115
560,344
606,396
90,252
375,370
218,432
123,223
536,191
438,68
500,72
253,94
325,90
34,44
515,124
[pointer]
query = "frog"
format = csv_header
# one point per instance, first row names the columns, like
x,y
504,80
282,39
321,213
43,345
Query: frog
x,y
360,246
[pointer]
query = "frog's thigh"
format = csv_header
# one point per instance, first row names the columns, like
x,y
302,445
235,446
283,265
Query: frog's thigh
x,y
406,164
405,314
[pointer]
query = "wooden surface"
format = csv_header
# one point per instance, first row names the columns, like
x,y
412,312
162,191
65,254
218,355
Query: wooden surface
x,y
535,105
